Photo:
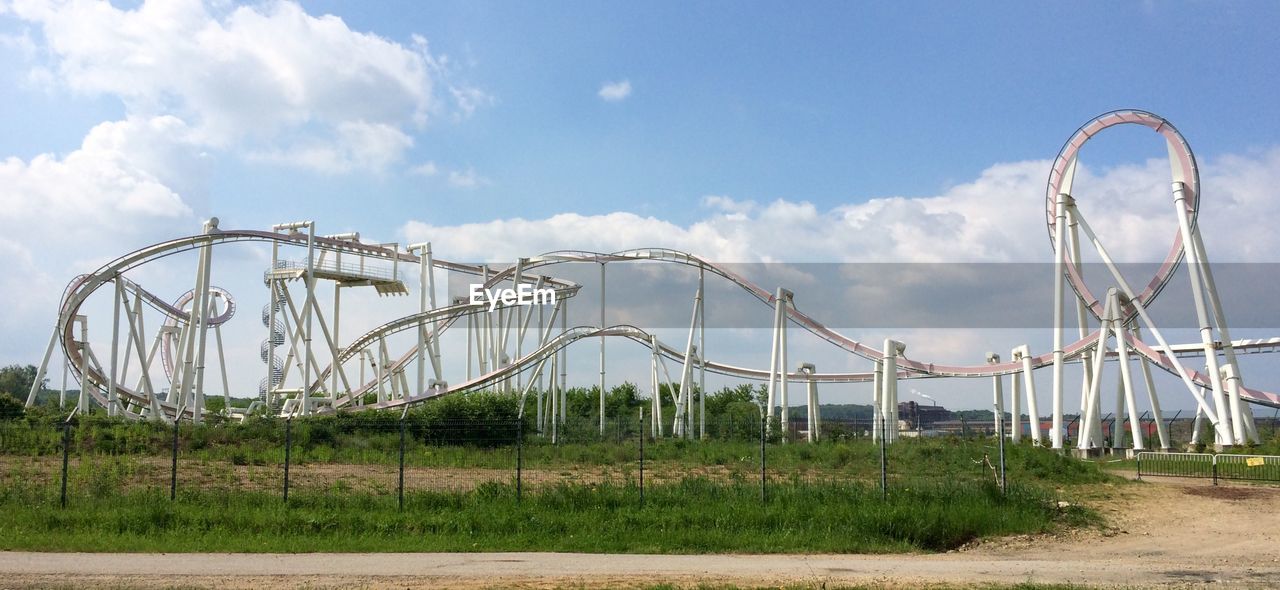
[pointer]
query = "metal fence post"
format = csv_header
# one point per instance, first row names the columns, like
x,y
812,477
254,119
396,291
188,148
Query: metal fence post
x,y
400,485
1139,459
1215,470
763,478
66,451
1003,481
173,474
642,435
288,444
519,458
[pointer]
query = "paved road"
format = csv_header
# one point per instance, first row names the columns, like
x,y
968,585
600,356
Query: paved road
x,y
503,569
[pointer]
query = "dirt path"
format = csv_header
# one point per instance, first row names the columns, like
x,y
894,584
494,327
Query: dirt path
x,y
1171,533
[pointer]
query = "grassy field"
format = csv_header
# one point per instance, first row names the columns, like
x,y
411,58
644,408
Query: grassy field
x,y
690,516
700,496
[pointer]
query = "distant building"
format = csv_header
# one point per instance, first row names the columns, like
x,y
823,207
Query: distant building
x,y
913,416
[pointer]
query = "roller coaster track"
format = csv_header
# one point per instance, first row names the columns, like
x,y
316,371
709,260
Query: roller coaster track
x,y
1185,172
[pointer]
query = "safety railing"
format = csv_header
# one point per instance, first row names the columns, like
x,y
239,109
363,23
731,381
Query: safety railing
x,y
1248,467
1210,466
357,269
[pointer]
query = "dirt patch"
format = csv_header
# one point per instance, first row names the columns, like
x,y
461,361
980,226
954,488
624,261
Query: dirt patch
x,y
1225,492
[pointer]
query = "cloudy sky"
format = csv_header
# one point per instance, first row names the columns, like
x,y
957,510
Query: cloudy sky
x,y
827,132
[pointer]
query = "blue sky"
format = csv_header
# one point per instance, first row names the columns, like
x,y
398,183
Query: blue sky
x,y
751,132
826,103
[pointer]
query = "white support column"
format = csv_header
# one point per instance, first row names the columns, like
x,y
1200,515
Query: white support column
x,y
548,416
771,390
222,364
602,325
179,334
1082,320
188,346
1060,230
997,396
335,345
200,317
782,367
655,398
113,400
655,401
382,370
564,364
1015,406
307,312
1126,379
1117,425
424,250
877,403
1223,426
433,338
553,400
542,341
1033,409
44,365
520,318
482,341
1250,427
1240,411
813,420
702,357
889,382
83,404
483,337
1088,432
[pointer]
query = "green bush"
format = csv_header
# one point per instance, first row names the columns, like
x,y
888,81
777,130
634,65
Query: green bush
x,y
10,407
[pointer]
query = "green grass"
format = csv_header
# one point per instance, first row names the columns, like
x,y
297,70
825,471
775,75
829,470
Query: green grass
x,y
691,516
262,444
701,496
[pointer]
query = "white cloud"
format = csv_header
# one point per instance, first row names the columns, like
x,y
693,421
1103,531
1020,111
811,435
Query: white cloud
x,y
64,215
355,145
466,178
104,183
468,99
997,217
424,169
295,88
615,91
21,43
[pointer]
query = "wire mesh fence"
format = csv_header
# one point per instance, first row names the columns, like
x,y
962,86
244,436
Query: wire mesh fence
x,y
390,457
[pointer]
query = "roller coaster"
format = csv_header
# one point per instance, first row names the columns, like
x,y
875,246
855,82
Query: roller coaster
x,y
520,347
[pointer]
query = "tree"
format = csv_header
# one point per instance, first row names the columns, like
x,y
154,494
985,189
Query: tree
x,y
16,380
